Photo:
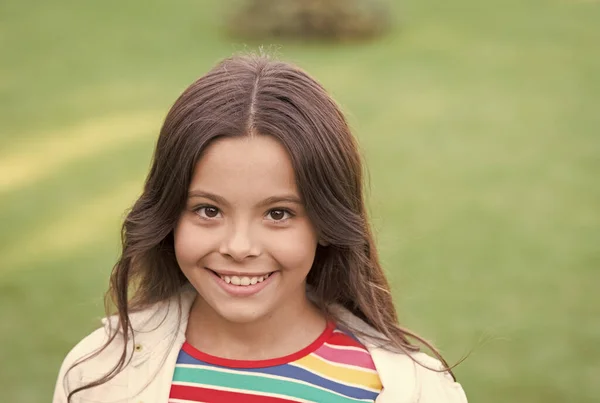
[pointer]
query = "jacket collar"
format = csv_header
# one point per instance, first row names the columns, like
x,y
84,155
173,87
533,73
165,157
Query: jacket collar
x,y
156,328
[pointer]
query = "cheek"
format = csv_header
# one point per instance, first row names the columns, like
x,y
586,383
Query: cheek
x,y
188,249
296,249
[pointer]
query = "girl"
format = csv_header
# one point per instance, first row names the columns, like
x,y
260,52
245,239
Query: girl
x,y
248,271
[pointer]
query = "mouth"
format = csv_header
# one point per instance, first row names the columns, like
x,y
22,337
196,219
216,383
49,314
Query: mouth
x,y
242,280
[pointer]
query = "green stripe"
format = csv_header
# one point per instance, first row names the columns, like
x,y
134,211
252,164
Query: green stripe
x,y
256,383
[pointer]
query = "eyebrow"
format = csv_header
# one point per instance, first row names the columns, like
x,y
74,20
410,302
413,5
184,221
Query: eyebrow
x,y
281,199
206,195
268,201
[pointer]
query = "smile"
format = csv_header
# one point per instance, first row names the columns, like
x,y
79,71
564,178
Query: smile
x,y
243,284
243,280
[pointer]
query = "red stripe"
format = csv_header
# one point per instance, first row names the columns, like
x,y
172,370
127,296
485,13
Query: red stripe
x,y
199,394
341,339
224,362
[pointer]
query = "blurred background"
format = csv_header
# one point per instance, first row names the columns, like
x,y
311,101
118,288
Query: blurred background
x,y
479,122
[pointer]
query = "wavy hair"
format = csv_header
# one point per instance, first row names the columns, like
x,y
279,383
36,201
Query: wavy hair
x,y
255,95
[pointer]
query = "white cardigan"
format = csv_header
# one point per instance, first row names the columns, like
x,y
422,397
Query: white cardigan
x,y
160,333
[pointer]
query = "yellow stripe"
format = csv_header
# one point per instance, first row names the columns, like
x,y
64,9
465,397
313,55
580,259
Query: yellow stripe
x,y
343,374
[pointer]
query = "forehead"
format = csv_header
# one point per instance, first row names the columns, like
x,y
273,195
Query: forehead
x,y
245,168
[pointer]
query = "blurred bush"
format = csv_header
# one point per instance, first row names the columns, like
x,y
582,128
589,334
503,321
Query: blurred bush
x,y
310,19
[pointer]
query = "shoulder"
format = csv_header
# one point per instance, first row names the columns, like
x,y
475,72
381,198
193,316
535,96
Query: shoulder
x,y
414,378
70,377
434,384
153,329
418,378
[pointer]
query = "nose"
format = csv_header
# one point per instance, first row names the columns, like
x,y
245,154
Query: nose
x,y
239,243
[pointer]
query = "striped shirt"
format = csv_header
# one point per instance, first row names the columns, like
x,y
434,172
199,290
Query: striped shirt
x,y
335,368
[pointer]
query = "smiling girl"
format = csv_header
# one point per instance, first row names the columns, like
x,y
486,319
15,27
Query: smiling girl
x,y
248,270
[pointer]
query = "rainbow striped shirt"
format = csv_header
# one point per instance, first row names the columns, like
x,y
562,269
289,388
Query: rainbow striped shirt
x,y
335,368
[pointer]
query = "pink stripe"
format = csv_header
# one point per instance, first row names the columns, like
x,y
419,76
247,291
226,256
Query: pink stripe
x,y
355,358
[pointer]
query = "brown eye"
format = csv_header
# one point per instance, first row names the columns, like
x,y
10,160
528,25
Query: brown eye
x,y
278,215
208,212
211,212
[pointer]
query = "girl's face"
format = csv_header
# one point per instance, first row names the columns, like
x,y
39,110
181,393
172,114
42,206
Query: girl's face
x,y
244,240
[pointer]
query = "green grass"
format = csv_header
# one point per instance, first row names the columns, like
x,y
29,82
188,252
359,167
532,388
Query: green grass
x,y
479,121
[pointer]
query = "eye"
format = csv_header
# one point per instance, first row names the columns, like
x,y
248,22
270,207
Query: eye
x,y
279,215
208,212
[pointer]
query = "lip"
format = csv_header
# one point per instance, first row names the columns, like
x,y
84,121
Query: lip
x,y
245,290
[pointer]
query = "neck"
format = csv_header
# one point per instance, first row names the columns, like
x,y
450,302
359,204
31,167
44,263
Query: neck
x,y
290,328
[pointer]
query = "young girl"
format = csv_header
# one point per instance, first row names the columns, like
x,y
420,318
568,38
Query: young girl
x,y
248,271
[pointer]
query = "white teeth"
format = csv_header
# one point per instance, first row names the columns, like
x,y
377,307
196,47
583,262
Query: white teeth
x,y
244,281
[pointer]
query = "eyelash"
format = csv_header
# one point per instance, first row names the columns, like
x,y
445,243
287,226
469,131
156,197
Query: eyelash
x,y
198,209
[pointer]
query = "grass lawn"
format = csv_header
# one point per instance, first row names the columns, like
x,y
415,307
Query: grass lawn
x,y
480,124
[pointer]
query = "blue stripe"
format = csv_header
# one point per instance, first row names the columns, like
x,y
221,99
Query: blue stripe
x,y
293,372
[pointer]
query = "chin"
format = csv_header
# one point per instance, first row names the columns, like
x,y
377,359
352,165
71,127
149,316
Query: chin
x,y
241,313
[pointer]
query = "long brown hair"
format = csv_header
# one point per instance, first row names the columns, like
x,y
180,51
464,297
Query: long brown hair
x,y
246,95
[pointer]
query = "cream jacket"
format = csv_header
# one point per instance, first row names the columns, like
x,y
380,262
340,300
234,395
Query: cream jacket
x,y
160,333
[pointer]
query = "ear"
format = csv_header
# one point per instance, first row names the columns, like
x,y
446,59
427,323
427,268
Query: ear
x,y
323,243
